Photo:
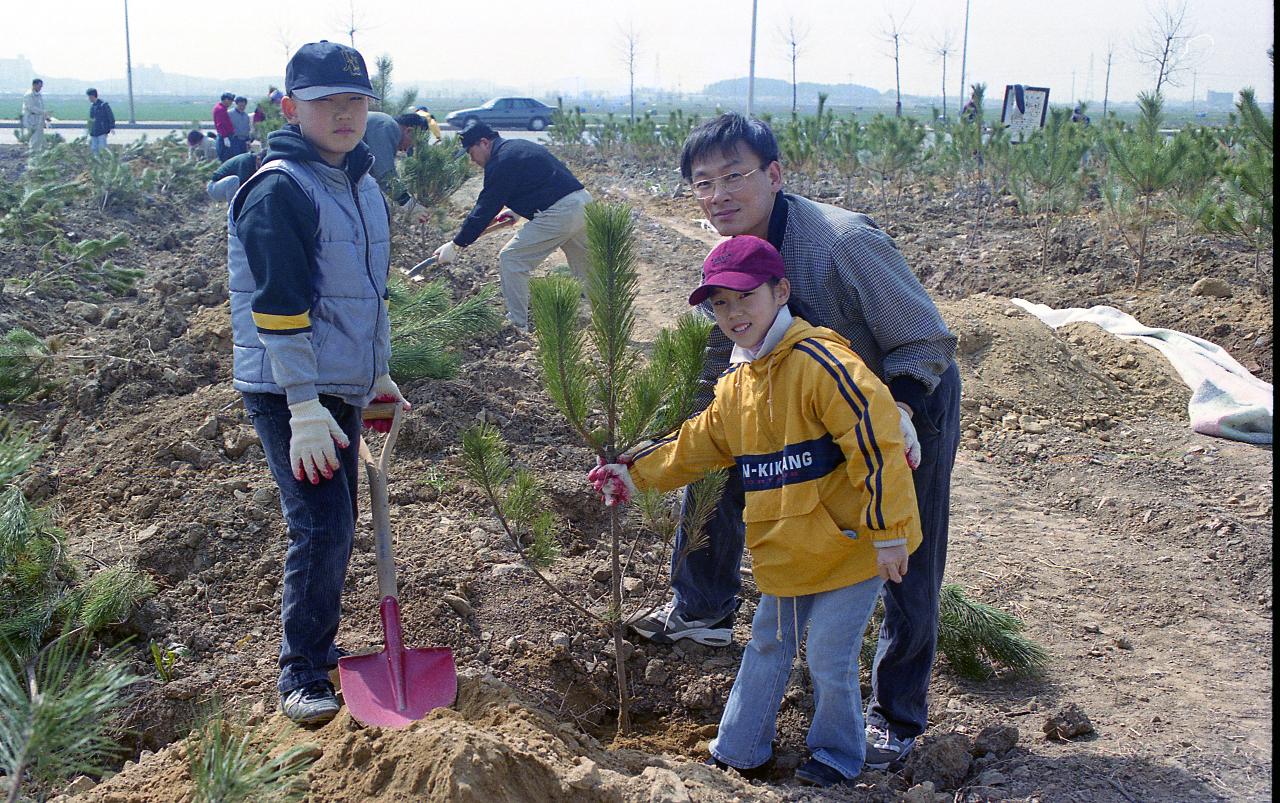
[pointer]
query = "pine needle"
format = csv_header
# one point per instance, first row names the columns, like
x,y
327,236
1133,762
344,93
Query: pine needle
x,y
55,715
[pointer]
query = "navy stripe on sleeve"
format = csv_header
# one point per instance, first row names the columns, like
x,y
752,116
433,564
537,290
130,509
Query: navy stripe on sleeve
x,y
867,444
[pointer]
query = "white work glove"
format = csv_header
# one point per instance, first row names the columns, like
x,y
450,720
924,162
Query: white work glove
x,y
224,189
613,481
910,441
311,449
446,253
385,390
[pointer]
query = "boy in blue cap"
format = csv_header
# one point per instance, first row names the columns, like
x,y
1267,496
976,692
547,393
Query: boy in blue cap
x,y
309,250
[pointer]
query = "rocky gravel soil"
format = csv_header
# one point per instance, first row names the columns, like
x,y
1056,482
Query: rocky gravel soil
x,y
1138,552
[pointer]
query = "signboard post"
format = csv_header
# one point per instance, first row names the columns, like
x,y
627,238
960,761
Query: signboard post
x,y
1021,122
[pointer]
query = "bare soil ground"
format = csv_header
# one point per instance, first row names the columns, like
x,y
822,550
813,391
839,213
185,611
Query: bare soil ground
x,y
1138,552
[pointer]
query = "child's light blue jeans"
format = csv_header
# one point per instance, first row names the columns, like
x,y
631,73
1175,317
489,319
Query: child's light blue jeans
x,y
836,620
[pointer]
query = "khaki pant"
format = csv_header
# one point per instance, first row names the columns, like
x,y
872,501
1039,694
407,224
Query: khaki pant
x,y
563,225
36,141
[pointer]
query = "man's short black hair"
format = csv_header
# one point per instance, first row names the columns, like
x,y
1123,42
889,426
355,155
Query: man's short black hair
x,y
35,81
228,96
194,136
723,135
411,120
91,92
241,99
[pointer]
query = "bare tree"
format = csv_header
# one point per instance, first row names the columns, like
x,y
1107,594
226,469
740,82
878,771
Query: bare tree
x,y
628,50
942,47
895,35
793,38
353,22
1106,84
284,37
1163,45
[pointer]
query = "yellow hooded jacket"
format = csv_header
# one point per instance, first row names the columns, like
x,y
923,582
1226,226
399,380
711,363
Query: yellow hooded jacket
x,y
815,437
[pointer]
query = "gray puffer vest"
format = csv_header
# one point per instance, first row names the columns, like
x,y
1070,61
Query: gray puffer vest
x,y
350,330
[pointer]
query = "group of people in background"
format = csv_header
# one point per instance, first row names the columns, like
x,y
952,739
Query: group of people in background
x,y
34,118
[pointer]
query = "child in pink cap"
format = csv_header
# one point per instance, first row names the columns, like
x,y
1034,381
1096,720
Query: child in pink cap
x,y
830,505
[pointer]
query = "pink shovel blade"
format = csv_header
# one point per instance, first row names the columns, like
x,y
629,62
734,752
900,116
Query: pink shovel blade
x,y
430,680
397,686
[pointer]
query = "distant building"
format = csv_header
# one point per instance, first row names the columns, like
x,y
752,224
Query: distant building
x,y
1220,100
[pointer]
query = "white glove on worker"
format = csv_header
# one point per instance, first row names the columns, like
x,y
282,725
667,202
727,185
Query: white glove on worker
x,y
910,440
311,449
385,390
446,253
613,481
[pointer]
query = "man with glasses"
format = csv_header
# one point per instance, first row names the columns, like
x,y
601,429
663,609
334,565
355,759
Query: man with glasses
x,y
525,177
851,277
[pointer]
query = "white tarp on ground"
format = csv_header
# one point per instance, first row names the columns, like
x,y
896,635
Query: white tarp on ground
x,y
1226,400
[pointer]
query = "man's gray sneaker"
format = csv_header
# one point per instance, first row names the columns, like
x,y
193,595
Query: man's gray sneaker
x,y
665,626
311,704
884,750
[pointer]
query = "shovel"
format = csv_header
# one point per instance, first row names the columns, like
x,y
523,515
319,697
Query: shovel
x,y
499,222
397,685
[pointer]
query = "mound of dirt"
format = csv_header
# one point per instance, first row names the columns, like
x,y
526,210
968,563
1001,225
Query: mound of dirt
x,y
489,746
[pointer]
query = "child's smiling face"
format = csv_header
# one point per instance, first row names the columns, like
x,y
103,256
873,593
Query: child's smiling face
x,y
746,315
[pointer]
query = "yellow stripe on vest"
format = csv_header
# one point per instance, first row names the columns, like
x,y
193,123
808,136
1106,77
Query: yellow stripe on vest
x,y
265,320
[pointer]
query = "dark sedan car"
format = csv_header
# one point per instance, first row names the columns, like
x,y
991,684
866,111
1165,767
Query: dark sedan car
x,y
505,113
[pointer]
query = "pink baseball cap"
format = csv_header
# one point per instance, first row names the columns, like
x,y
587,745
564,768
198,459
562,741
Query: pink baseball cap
x,y
740,263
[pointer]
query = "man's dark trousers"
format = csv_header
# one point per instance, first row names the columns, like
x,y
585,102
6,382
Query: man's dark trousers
x,y
706,582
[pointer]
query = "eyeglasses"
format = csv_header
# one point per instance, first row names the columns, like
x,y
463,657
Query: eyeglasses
x,y
730,182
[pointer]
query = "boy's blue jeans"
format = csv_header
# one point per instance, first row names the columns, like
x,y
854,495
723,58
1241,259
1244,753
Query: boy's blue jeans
x,y
321,522
836,622
707,581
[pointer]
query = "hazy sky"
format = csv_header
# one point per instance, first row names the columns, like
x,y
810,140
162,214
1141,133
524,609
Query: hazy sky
x,y
539,45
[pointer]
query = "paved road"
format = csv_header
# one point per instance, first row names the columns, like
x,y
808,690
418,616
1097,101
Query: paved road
x,y
126,134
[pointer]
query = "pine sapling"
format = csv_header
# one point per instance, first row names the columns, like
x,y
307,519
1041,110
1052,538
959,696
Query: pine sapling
x,y
976,638
615,399
56,714
1047,179
1142,164
428,328
230,761
1246,204
22,357
432,172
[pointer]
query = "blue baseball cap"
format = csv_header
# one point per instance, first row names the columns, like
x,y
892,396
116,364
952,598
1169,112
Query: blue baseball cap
x,y
324,68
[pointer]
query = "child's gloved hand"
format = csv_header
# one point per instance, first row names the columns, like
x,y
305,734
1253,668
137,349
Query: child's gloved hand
x,y
891,562
387,391
613,481
312,435
910,440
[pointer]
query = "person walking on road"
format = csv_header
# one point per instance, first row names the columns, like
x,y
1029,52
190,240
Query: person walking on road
x,y
223,126
525,177
852,278
242,126
34,117
101,121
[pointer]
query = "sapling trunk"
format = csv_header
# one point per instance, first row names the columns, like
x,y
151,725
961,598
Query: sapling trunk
x,y
635,401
